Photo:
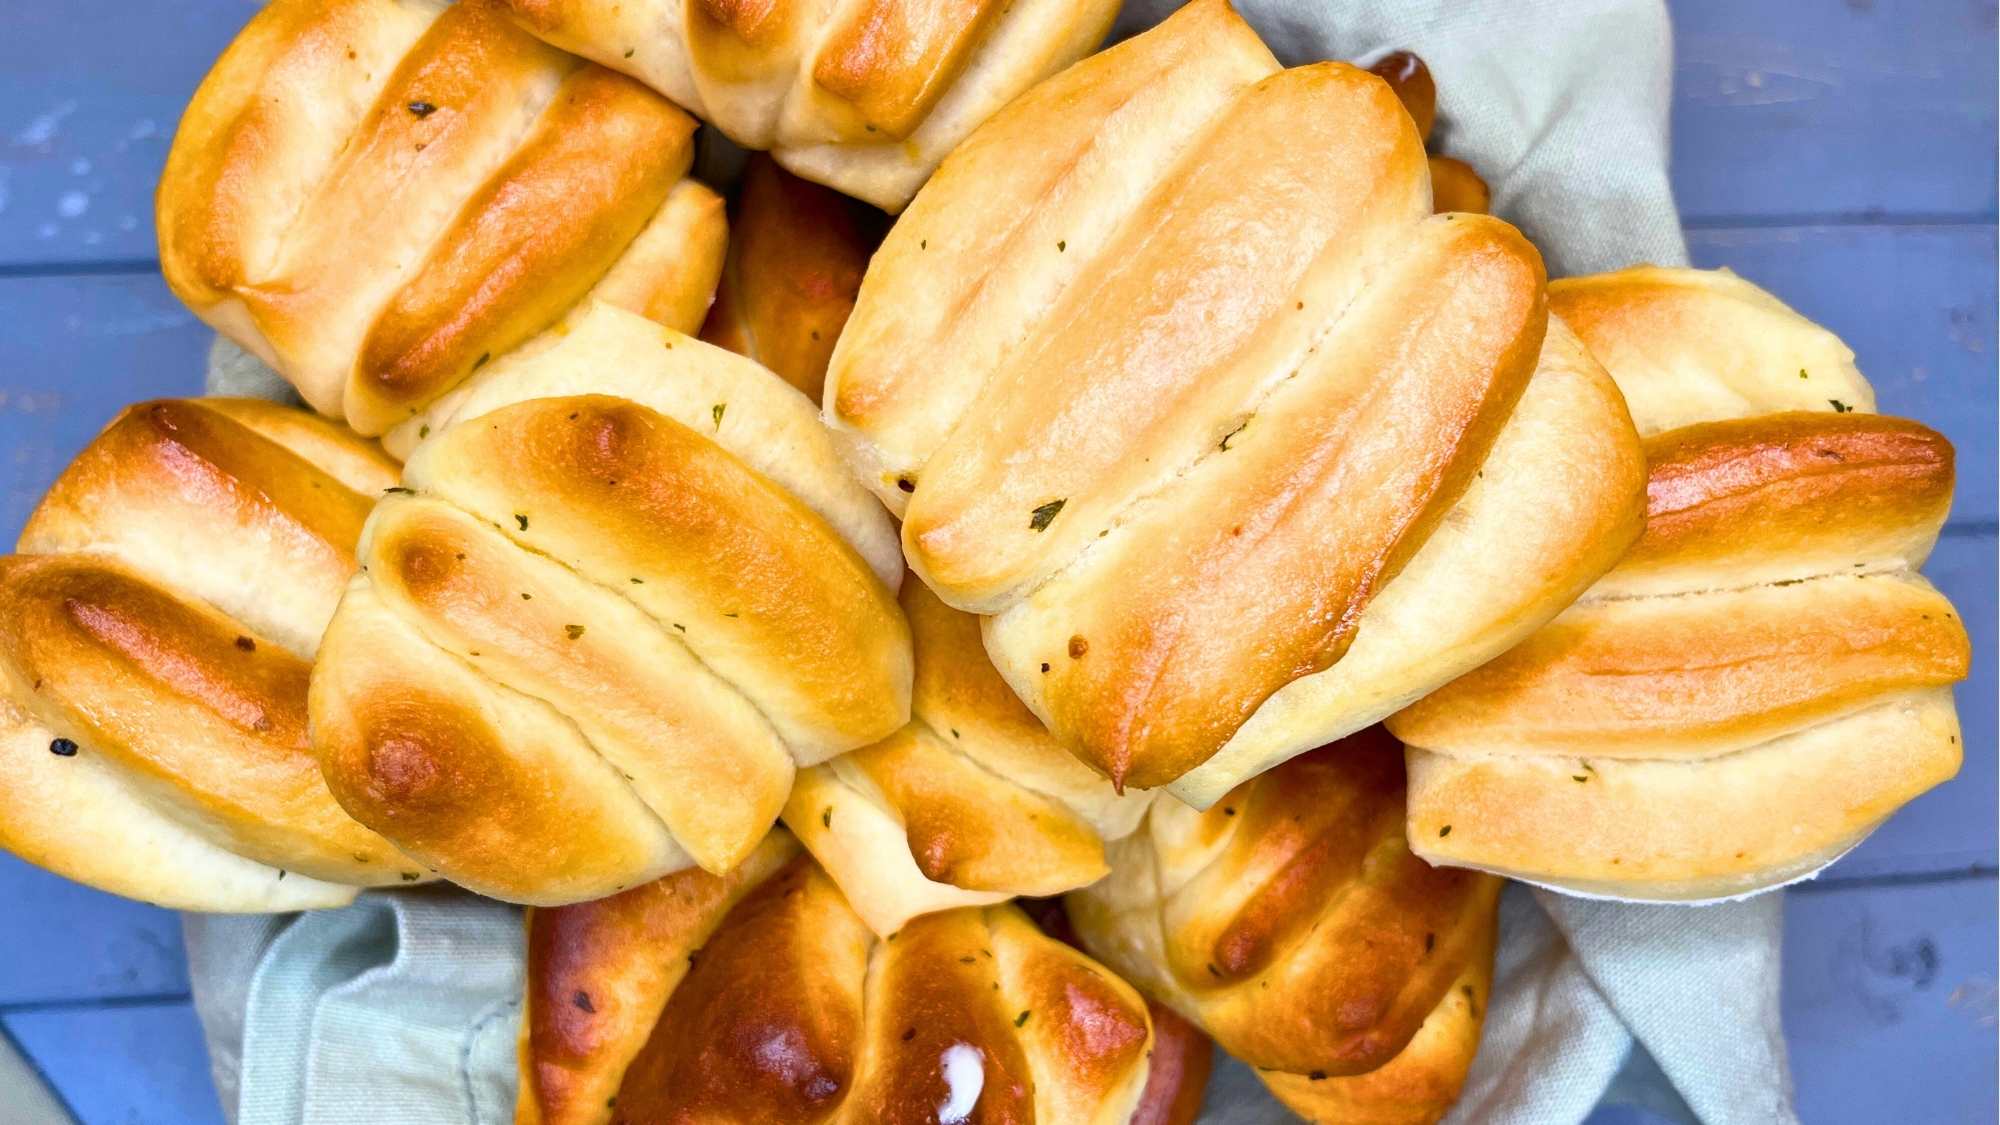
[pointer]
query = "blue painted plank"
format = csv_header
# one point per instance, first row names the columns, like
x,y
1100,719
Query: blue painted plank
x,y
1862,108
89,96
66,942
1915,303
1889,1002
139,1064
75,350
1951,828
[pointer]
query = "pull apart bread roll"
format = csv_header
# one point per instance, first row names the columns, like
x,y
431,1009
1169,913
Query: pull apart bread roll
x,y
970,804
1170,371
865,96
1292,923
1766,676
378,197
796,255
759,996
622,593
156,630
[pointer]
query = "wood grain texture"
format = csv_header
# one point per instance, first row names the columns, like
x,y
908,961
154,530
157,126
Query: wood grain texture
x,y
139,1062
79,348
1856,108
1889,1001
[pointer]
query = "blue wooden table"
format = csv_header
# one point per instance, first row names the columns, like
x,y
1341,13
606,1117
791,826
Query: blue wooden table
x,y
1838,152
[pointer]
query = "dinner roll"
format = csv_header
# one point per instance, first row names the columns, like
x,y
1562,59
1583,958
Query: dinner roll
x,y
759,996
156,628
796,253
620,595
970,804
1765,677
378,197
1171,373
864,96
1292,923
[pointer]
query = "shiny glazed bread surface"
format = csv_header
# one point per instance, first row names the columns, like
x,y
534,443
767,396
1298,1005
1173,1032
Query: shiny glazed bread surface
x,y
156,630
971,803
619,598
377,197
1171,372
865,96
1292,923
1765,677
760,996
796,255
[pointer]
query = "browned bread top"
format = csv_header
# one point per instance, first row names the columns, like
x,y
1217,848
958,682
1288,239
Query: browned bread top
x,y
155,638
864,97
1124,351
619,598
971,803
796,254
1765,676
378,196
665,1003
1292,923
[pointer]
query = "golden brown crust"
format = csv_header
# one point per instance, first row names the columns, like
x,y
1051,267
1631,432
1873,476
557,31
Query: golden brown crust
x,y
1456,187
865,97
361,466
1690,346
1292,923
1765,677
1407,75
1117,423
965,274
795,263
1555,504
596,635
1177,1075
491,788
656,715
766,999
160,620
746,569
600,973
215,225
1797,487
1421,1084
475,156
1136,690
808,956
669,273
1134,377
892,59
602,157
969,804
971,829
205,455
1696,675
1663,830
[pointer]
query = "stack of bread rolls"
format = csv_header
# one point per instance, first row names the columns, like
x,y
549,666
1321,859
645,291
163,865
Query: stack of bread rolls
x,y
1765,676
1222,426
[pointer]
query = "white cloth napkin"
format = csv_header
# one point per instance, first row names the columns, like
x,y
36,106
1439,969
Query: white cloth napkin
x,y
403,1007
